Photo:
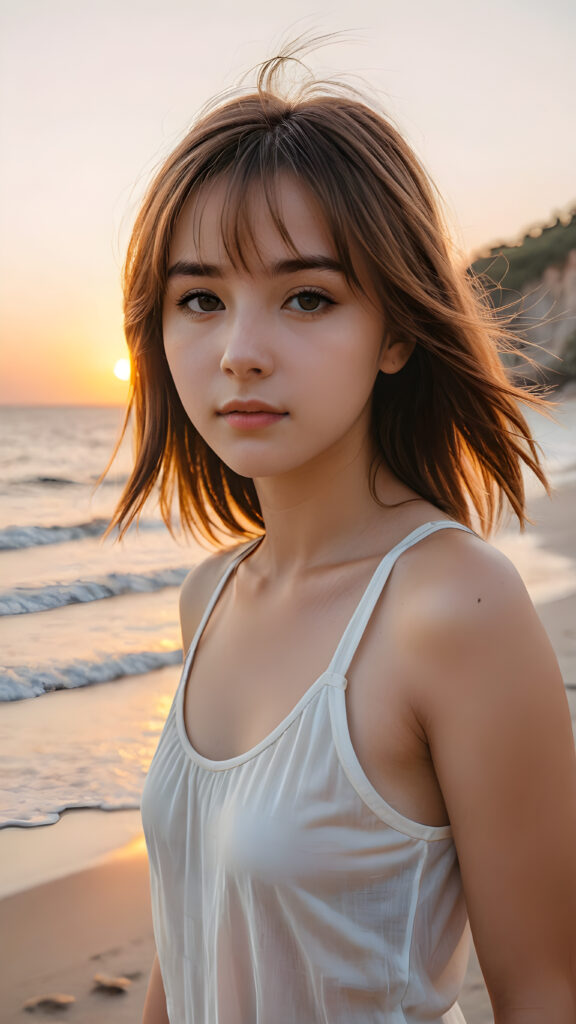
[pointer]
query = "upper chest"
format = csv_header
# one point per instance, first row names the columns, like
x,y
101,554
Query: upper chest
x,y
257,656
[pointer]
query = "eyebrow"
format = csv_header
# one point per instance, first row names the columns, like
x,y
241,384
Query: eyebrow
x,y
186,268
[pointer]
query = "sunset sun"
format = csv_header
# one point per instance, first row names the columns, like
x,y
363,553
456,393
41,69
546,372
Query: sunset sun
x,y
122,369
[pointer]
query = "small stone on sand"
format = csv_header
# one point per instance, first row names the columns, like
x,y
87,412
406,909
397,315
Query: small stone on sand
x,y
56,1001
112,985
106,952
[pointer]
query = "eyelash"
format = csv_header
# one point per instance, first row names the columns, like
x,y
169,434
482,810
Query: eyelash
x,y
183,302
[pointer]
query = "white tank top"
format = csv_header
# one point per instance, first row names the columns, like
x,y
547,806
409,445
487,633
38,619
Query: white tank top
x,y
285,890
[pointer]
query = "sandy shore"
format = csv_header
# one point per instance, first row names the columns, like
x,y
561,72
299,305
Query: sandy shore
x,y
58,935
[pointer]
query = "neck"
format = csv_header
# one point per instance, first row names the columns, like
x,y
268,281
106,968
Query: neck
x,y
323,513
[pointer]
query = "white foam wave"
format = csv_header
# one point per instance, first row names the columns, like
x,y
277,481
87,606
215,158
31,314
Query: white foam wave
x,y
13,538
26,600
37,820
20,682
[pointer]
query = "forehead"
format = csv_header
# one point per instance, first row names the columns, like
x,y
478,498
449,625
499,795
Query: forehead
x,y
261,225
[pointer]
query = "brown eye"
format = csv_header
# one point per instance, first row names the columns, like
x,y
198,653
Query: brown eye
x,y
202,302
308,301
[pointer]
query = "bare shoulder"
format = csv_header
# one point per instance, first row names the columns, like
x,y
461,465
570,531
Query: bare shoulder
x,y
454,583
198,588
479,665
468,626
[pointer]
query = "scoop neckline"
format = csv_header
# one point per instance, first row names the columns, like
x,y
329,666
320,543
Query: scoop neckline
x,y
213,764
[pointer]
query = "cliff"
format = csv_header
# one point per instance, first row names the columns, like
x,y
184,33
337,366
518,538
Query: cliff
x,y
535,280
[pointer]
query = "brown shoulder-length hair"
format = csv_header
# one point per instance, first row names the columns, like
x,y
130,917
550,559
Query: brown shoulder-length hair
x,y
448,424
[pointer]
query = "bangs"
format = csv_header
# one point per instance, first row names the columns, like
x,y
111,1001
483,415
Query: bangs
x,y
255,174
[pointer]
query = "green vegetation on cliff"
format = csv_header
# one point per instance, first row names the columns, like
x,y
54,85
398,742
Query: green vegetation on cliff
x,y
512,276
513,267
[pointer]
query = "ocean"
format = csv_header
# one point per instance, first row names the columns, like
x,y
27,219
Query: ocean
x,y
90,637
78,611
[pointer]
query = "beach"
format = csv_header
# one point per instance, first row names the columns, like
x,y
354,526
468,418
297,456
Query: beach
x,y
75,894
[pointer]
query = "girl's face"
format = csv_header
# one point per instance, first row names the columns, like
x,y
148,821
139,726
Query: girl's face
x,y
288,332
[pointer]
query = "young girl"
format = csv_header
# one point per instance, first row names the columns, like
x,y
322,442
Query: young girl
x,y
370,743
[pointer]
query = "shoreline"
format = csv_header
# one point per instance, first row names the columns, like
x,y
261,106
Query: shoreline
x,y
83,838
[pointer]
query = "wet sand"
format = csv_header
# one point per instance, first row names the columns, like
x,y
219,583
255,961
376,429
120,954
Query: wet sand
x,y
58,936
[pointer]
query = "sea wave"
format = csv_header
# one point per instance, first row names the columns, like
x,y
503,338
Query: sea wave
x,y
20,682
51,817
41,480
48,481
15,538
26,600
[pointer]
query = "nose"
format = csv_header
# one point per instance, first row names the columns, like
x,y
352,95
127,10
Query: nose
x,y
246,350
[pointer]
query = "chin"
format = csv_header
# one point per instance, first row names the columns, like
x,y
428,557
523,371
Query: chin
x,y
256,466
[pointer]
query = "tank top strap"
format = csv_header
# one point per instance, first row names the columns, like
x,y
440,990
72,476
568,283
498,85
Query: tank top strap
x,y
246,549
357,624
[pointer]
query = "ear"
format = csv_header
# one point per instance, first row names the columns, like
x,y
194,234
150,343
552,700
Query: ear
x,y
395,355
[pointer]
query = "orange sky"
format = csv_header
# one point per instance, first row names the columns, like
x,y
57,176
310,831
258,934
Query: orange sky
x,y
94,95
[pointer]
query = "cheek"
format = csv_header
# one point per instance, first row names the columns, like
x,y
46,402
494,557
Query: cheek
x,y
174,339
178,366
183,358
353,368
188,378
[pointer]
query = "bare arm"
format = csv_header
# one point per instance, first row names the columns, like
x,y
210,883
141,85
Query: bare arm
x,y
155,1006
489,695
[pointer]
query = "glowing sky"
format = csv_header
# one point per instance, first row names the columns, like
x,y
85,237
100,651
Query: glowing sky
x,y
94,94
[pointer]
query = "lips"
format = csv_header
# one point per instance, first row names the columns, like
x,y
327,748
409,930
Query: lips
x,y
250,415
248,406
